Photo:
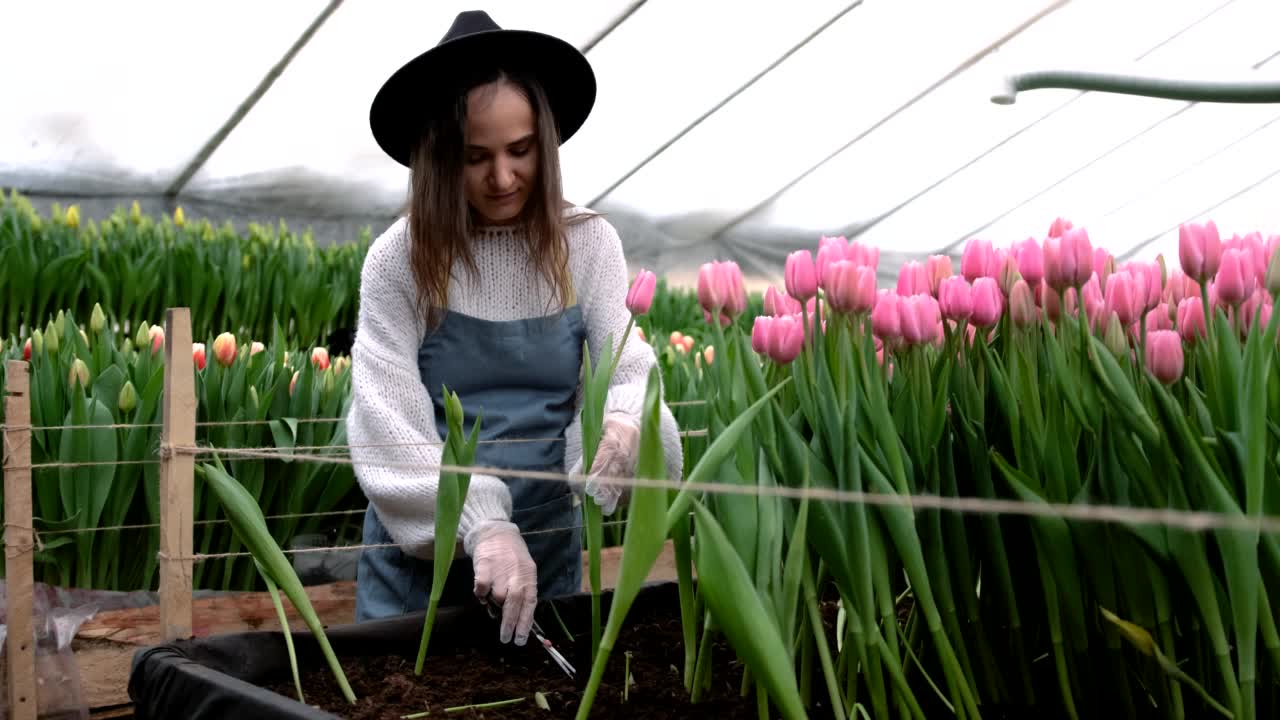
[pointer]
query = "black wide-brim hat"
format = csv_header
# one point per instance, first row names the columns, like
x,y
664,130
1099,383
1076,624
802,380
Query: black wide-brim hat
x,y
429,82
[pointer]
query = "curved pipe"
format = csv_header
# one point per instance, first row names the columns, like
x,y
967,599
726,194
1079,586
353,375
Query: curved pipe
x,y
1190,90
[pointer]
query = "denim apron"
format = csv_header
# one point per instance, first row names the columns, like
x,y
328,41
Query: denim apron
x,y
521,377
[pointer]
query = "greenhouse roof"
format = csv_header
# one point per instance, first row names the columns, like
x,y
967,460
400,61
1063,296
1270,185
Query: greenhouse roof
x,y
721,129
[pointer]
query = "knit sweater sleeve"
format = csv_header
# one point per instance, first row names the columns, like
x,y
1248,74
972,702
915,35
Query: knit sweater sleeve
x,y
391,423
602,287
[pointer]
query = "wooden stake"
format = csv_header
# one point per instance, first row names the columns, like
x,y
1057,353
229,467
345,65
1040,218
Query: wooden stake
x,y
19,544
177,477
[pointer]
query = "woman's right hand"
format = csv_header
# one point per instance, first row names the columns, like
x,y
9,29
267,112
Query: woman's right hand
x,y
505,570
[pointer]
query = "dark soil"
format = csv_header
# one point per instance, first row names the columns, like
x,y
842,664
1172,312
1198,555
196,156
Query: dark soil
x,y
387,689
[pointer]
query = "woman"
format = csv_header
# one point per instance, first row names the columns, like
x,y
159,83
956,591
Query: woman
x,y
489,287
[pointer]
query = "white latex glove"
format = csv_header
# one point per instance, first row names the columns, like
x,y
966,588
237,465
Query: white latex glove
x,y
616,457
504,568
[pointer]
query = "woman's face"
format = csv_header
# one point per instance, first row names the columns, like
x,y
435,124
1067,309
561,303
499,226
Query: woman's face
x,y
500,160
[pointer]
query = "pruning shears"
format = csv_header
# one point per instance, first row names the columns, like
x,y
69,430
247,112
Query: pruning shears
x,y
495,612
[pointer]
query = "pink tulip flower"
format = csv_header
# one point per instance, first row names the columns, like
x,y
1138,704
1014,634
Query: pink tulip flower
x,y
1006,271
256,347
801,276
320,358
851,288
1122,297
197,355
919,319
886,318
1158,319
978,260
913,280
224,349
1030,259
830,251
640,296
867,255
26,351
988,302
1068,260
293,381
1059,227
157,338
1191,324
1199,250
955,299
1103,264
720,289
760,331
1164,356
938,268
1235,278
786,339
1022,305
778,303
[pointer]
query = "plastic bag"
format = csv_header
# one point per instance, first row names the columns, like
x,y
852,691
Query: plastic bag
x,y
59,692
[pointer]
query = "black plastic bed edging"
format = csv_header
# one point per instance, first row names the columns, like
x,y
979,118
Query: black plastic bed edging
x,y
226,676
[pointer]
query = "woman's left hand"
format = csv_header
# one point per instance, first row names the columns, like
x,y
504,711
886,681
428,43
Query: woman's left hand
x,y
615,458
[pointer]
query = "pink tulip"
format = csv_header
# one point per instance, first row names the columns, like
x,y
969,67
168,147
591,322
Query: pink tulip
x,y
1158,319
760,331
640,296
1199,250
830,252
1179,286
709,354
778,303
913,280
686,343
1103,264
801,275
1059,227
1191,323
786,339
1258,301
1122,297
851,288
1030,259
675,337
1271,278
918,319
26,351
1006,271
255,348
1068,260
197,355
157,338
1022,306
720,289
988,302
320,358
886,318
293,381
224,349
955,299
978,260
1153,283
1095,303
867,255
938,268
1235,278
1164,356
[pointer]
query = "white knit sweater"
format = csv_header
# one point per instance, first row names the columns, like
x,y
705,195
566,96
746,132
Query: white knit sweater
x,y
392,421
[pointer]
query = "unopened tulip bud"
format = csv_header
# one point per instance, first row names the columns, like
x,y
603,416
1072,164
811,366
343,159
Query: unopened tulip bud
x,y
142,337
955,298
327,381
52,338
1158,319
709,352
224,349
253,398
128,398
977,260
675,337
1007,274
1030,259
179,218
988,302
640,333
913,279
37,341
1191,325
256,347
886,318
938,268
294,381
640,296
786,339
79,372
1022,305
98,319
26,351
60,322
801,275
341,364
1273,275
198,356
157,339
1164,356
320,358
760,330
1114,336
1235,278
686,342
1199,250
73,216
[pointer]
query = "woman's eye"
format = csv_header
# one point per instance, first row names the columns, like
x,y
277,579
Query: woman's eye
x,y
520,151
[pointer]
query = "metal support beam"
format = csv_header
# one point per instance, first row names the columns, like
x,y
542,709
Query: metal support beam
x,y
724,101
240,112
614,25
965,65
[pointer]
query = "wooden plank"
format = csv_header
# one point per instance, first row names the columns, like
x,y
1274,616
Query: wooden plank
x,y
19,544
177,477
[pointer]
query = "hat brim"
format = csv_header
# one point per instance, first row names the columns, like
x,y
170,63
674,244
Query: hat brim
x,y
424,84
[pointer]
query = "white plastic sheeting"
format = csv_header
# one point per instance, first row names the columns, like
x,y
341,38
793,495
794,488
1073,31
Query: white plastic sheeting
x,y
721,129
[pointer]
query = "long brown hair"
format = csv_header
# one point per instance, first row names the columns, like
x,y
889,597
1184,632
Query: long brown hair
x,y
441,220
